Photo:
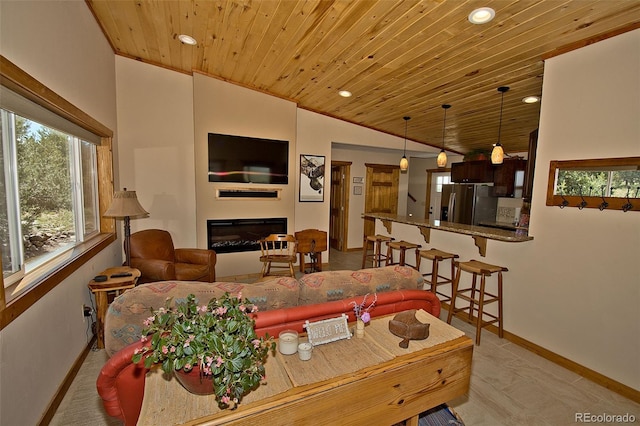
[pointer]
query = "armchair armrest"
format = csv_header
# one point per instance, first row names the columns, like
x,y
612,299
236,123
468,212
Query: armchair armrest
x,y
155,269
196,256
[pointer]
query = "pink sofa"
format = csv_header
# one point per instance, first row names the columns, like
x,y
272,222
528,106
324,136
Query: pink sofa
x,y
121,383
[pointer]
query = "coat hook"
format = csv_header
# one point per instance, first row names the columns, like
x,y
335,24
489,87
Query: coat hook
x,y
603,204
627,206
564,202
583,203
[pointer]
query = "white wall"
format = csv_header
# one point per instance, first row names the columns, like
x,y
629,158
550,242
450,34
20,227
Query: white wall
x,y
316,134
59,44
586,260
574,289
155,134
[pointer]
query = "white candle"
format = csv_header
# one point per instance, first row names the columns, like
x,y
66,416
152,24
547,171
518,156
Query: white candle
x,y
304,351
288,342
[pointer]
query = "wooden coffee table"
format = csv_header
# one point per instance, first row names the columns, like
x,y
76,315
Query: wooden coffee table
x,y
356,381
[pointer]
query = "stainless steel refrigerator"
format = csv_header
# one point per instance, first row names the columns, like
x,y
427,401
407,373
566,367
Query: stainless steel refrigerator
x,y
468,203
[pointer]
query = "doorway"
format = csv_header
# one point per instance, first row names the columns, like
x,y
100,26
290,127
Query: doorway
x,y
381,193
435,179
339,205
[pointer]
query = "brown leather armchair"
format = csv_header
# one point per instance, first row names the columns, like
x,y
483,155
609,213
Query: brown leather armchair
x,y
152,252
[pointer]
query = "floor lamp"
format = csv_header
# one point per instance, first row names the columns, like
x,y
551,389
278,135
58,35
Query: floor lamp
x,y
125,206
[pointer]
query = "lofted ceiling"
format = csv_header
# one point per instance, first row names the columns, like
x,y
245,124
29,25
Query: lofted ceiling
x,y
398,58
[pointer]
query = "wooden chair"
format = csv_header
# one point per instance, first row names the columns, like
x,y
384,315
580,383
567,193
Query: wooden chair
x,y
278,252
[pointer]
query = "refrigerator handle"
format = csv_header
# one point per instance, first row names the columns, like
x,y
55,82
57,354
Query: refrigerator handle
x,y
452,206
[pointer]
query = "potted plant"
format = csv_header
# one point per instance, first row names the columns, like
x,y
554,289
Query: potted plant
x,y
210,348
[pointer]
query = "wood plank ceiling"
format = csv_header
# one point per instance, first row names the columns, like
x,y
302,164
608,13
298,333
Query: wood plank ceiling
x,y
397,57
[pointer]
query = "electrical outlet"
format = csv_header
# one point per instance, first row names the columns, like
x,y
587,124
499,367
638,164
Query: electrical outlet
x,y
86,311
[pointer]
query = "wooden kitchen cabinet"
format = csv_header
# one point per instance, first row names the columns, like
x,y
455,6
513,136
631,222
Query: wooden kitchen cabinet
x,y
508,178
477,171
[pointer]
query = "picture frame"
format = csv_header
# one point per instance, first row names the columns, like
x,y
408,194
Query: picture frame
x,y
357,190
312,180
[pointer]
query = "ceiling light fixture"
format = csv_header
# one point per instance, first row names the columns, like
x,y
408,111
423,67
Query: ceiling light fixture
x,y
531,99
442,157
482,15
497,155
185,39
344,93
404,163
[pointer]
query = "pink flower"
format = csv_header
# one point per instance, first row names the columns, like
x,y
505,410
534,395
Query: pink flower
x,y
219,362
366,317
188,366
165,350
256,343
147,322
173,349
254,308
242,308
225,399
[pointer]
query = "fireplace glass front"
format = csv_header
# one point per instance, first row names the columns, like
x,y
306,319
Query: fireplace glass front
x,y
238,235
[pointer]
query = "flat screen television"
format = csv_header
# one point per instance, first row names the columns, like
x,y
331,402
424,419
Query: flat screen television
x,y
243,159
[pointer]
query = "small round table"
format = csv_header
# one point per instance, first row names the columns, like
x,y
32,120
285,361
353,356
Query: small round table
x,y
113,283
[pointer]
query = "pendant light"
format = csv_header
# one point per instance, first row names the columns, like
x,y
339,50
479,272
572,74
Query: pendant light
x,y
442,157
497,155
404,163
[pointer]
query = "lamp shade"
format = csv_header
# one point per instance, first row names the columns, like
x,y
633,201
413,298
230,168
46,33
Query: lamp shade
x,y
442,159
404,164
497,155
125,204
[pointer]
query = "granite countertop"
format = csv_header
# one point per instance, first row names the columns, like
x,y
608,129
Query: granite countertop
x,y
459,228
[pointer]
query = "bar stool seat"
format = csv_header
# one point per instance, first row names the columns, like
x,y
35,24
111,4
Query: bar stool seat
x,y
433,278
377,257
478,298
403,246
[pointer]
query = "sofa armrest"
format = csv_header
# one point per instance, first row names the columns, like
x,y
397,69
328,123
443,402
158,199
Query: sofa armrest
x,y
275,321
121,383
154,269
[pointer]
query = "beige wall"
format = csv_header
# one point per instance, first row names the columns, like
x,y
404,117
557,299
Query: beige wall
x,y
155,134
60,44
574,289
220,107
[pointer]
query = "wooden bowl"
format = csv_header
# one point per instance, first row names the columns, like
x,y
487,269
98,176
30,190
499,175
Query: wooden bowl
x,y
406,325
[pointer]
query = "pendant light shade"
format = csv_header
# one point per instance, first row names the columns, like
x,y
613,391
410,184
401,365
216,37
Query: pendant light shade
x,y
497,155
404,163
442,157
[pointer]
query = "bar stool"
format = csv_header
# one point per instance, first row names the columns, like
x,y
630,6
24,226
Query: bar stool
x,y
403,246
434,278
484,270
376,257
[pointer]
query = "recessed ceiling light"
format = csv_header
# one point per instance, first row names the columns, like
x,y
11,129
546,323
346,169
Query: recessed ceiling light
x,y
187,39
531,99
344,93
482,15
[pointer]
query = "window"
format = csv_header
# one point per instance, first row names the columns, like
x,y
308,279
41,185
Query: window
x,y
442,180
609,183
46,108
49,192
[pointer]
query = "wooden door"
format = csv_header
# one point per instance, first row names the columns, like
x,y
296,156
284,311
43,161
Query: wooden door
x,y
339,205
381,194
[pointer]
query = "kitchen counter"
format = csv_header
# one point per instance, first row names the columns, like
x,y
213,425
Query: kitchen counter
x,y
480,234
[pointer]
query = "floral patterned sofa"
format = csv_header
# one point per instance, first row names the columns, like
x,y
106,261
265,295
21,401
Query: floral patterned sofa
x,y
125,316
